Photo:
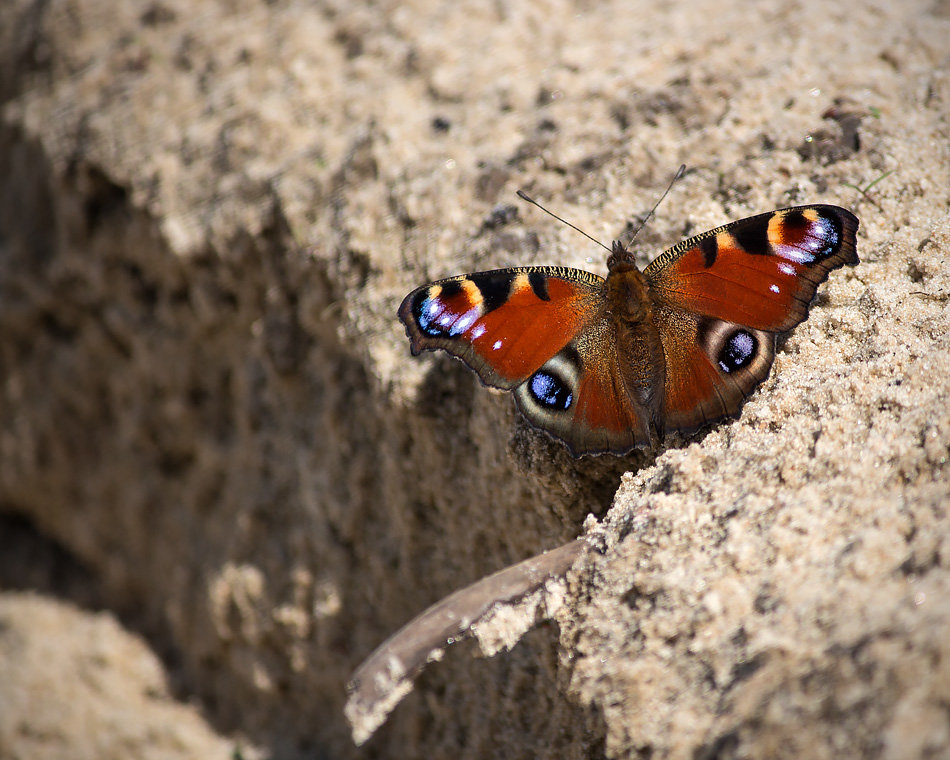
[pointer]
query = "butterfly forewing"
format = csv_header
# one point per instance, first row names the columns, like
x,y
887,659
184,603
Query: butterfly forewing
x,y
505,323
761,272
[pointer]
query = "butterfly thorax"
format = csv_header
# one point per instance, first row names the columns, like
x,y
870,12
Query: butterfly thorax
x,y
630,306
627,290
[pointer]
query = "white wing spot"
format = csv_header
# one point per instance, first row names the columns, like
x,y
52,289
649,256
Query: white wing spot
x,y
464,322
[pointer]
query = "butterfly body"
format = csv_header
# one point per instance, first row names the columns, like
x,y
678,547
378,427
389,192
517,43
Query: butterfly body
x,y
613,364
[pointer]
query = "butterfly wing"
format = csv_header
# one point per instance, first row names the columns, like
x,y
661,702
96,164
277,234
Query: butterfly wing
x,y
544,333
723,296
579,396
711,366
506,323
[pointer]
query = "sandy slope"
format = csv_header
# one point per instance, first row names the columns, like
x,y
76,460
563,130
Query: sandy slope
x,y
209,214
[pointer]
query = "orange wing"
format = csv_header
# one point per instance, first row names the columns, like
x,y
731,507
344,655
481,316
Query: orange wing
x,y
579,396
544,333
506,323
723,295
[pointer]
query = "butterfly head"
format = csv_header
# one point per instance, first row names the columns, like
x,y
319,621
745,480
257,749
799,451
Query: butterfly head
x,y
620,258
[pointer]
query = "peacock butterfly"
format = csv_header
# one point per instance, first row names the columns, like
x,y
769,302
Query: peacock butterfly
x,y
607,365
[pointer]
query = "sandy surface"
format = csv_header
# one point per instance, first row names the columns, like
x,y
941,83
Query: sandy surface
x,y
76,686
208,216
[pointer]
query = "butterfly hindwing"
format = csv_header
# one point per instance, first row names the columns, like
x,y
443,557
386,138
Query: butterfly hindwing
x,y
579,396
724,295
711,367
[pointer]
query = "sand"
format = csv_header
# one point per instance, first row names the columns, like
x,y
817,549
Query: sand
x,y
210,419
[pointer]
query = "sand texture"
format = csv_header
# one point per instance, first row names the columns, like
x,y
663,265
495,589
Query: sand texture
x,y
214,442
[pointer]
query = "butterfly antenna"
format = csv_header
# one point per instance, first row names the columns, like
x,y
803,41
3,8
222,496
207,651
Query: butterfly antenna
x,y
525,197
679,173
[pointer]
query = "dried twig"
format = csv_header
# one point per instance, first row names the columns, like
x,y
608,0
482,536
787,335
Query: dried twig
x,y
386,676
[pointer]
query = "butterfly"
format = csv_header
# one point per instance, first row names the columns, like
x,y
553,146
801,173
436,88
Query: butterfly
x,y
609,365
